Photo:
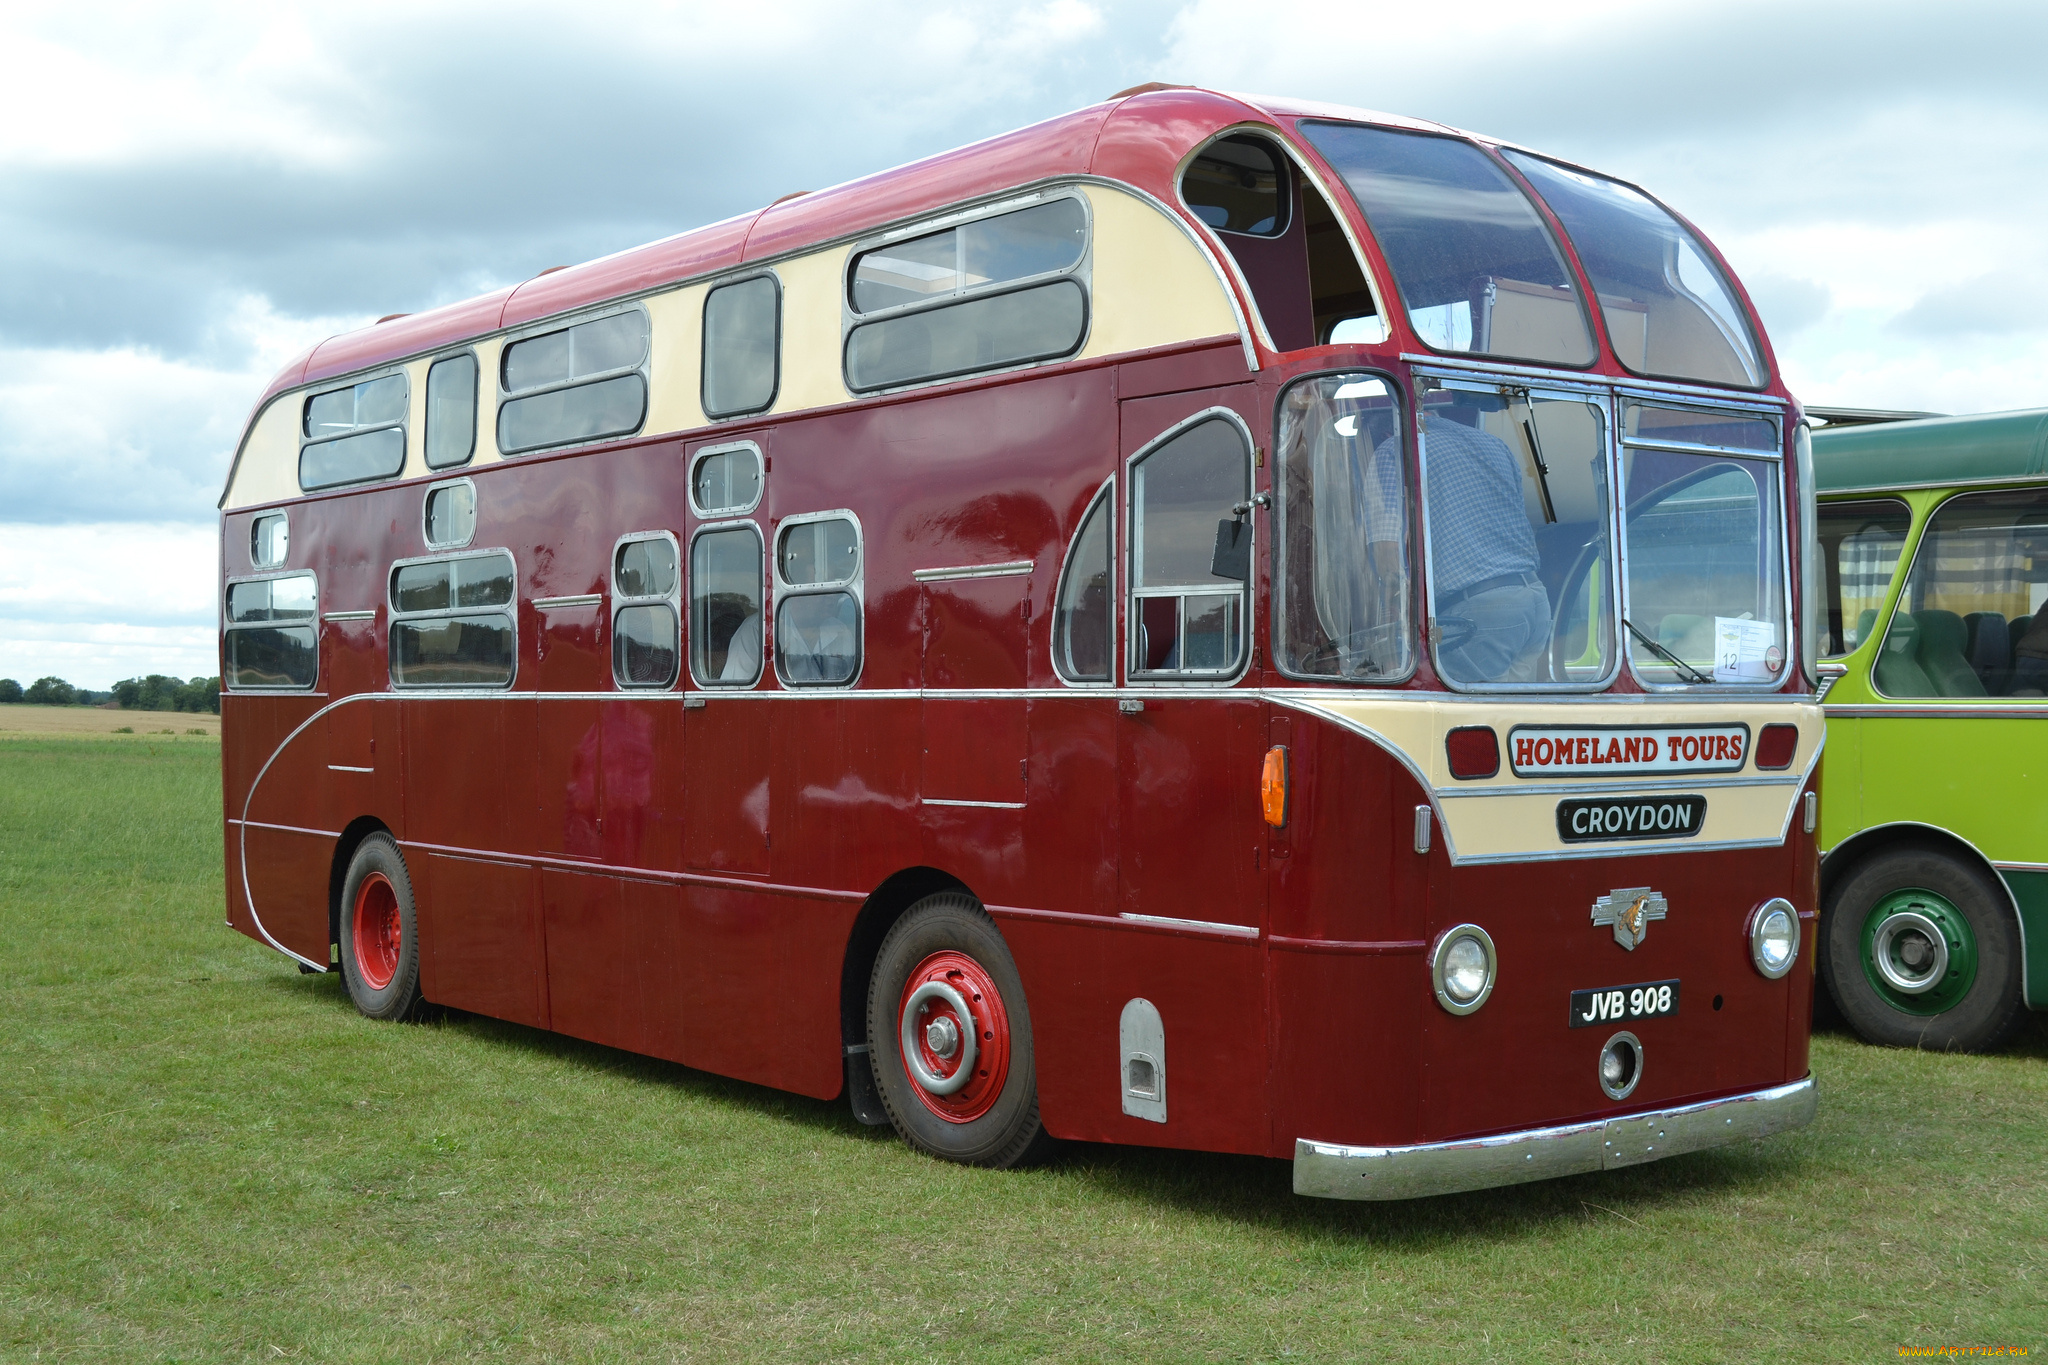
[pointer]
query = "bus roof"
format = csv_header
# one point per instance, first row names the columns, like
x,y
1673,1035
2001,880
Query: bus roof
x,y
1992,447
1137,137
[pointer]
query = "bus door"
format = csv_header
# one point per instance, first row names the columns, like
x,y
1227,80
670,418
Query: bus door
x,y
974,778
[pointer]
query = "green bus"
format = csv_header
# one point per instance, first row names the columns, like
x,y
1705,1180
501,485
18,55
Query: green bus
x,y
1934,795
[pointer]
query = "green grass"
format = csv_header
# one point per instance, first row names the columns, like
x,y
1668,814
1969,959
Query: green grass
x,y
206,1156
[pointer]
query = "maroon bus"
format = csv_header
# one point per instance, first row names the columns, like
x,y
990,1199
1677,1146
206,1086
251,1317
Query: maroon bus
x,y
1245,626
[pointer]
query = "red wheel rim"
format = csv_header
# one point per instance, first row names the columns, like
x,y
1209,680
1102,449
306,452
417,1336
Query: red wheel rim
x,y
936,1041
376,930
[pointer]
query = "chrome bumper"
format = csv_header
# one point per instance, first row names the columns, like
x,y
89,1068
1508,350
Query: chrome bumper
x,y
1336,1172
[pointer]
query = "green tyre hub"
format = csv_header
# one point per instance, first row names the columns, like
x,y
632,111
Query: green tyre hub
x,y
1919,948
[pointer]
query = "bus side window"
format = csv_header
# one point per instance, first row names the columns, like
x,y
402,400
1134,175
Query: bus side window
x,y
1081,620
272,626
452,621
725,605
1860,545
1972,618
1185,618
742,329
451,411
817,600
646,631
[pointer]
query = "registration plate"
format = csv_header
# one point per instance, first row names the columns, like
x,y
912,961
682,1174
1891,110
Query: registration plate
x,y
1622,1004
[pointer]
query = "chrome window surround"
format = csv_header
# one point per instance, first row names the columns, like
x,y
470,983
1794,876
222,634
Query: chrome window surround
x,y
476,402
1305,165
1596,395
704,346
767,619
1081,272
562,323
1134,528
256,524
621,600
313,621
1107,490
403,425
854,585
426,523
702,453
510,611
1441,949
1411,482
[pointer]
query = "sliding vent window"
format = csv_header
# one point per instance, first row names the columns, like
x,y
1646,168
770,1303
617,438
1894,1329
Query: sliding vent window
x,y
273,632
1669,309
269,540
1081,622
1341,601
725,606
449,515
1191,553
354,435
998,291
742,326
579,384
1515,492
1476,267
726,482
451,412
452,622
646,621
817,601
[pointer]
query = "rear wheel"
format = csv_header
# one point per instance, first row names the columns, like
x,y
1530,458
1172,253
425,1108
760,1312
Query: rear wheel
x,y
380,944
1921,950
949,1036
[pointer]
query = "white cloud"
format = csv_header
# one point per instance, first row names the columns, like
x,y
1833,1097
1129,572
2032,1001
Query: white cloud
x,y
93,603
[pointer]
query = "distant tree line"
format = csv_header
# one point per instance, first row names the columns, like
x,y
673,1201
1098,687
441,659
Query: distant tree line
x,y
153,693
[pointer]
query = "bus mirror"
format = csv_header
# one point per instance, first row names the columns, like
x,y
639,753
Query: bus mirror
x,y
1233,556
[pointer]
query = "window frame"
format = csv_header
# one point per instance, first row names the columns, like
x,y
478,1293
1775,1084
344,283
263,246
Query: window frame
x,y
762,669
1133,528
620,600
1794,666
1106,489
1833,575
854,586
702,453
1417,587
426,502
476,403
229,627
704,347
548,327
1241,133
1921,528
393,618
255,525
403,426
1081,272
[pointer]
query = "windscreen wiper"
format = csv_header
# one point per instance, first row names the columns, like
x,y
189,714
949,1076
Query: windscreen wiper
x,y
1525,419
1691,674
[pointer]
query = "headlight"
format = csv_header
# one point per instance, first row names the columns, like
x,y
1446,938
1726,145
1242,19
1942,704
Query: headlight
x,y
1774,937
1461,967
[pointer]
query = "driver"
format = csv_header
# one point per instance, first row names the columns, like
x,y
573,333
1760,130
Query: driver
x,y
1492,611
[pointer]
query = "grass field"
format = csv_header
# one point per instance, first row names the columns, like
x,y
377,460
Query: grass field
x,y
207,1156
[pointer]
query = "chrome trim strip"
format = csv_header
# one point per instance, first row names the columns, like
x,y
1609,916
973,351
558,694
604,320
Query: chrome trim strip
x,y
370,615
2039,711
347,768
581,599
1005,570
2021,867
1740,397
1199,925
1621,787
1334,1171
984,805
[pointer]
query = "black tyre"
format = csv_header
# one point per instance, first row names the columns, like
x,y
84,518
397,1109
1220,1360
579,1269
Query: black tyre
x,y
380,941
965,1087
1919,949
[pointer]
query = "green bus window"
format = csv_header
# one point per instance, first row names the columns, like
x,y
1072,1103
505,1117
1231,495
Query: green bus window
x,y
1859,549
1972,618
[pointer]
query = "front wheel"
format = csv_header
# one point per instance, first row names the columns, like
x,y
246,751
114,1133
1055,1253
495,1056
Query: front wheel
x,y
1921,950
380,941
949,1036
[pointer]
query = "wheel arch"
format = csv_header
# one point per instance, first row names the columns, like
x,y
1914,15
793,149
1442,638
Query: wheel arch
x,y
351,838
883,907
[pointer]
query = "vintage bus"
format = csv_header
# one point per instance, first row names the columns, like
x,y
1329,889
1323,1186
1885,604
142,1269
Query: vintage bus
x,y
1934,538
1208,623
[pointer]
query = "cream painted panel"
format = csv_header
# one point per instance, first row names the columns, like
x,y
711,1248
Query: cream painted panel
x,y
415,420
1508,823
1152,286
675,364
811,375
269,468
488,349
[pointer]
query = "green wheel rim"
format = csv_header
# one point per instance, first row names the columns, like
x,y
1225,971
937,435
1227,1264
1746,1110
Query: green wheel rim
x,y
1901,919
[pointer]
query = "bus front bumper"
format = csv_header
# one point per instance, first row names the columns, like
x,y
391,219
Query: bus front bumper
x,y
1332,1171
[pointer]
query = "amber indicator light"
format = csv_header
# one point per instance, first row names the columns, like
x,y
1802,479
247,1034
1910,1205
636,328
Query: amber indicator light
x,y
1474,751
1775,746
1273,786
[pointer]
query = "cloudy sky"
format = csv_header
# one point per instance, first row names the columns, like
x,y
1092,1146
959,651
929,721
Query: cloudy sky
x,y
191,194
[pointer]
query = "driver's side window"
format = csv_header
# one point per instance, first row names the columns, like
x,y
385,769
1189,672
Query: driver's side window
x,y
1190,554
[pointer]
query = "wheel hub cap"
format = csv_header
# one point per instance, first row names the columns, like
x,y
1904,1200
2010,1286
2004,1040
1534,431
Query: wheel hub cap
x,y
955,1036
1919,951
377,932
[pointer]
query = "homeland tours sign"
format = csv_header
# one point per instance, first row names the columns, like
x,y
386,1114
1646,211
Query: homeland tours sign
x,y
1626,750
